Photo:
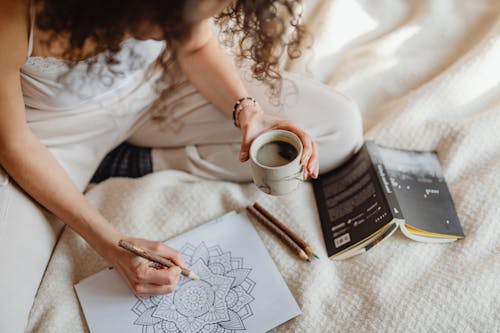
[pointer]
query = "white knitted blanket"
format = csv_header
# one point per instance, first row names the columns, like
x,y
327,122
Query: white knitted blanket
x,y
426,75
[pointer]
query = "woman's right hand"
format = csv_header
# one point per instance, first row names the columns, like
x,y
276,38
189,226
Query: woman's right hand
x,y
142,275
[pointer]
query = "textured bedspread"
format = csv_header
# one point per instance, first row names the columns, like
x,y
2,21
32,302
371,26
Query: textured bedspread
x,y
426,75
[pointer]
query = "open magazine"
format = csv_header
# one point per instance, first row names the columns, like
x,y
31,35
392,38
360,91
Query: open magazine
x,y
379,189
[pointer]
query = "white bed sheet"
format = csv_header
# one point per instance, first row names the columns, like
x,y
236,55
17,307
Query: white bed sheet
x,y
426,75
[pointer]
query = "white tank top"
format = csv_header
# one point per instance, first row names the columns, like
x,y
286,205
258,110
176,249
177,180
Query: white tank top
x,y
47,84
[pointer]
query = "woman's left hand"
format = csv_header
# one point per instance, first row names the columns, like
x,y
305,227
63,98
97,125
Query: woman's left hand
x,y
253,122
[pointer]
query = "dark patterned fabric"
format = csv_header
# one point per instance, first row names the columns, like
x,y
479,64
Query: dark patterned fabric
x,y
126,160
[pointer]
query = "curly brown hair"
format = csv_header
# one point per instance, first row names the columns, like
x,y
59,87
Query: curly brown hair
x,y
261,31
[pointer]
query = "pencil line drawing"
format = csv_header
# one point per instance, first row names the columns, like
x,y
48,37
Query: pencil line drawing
x,y
217,303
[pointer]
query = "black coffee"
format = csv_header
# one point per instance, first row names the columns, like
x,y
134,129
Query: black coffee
x,y
276,153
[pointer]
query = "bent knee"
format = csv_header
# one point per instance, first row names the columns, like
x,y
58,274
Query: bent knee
x,y
342,134
22,222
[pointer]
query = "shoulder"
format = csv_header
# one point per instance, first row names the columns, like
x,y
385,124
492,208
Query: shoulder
x,y
14,32
200,34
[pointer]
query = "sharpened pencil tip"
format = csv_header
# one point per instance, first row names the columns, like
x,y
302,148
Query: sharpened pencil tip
x,y
193,276
308,260
315,256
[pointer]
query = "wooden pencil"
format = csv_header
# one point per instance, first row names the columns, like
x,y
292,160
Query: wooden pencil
x,y
278,232
287,230
155,258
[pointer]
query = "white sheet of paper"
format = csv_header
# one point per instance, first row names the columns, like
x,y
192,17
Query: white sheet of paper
x,y
240,288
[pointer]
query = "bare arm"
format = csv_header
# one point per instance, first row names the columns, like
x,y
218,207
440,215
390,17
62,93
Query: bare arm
x,y
25,159
38,173
210,70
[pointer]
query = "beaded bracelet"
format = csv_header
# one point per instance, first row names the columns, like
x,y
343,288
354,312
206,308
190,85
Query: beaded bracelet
x,y
238,107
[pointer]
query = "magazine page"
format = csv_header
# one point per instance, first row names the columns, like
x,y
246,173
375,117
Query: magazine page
x,y
418,182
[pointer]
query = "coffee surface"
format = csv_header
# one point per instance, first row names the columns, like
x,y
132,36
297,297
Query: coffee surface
x,y
276,153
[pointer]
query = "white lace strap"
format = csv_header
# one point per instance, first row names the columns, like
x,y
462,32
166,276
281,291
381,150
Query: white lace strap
x,y
32,24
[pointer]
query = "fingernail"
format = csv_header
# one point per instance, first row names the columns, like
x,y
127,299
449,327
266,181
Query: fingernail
x,y
243,155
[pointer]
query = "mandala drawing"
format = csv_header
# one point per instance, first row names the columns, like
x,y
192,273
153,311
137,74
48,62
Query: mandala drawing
x,y
217,303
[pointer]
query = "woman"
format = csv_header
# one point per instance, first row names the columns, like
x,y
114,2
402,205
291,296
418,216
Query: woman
x,y
80,77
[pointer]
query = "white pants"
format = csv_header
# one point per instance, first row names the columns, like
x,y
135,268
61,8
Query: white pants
x,y
198,139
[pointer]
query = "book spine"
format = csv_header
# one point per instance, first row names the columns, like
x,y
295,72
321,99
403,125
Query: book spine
x,y
326,223
383,179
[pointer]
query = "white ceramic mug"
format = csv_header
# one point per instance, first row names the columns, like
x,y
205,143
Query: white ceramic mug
x,y
282,179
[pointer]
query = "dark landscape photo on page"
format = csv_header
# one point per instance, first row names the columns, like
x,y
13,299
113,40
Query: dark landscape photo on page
x,y
418,182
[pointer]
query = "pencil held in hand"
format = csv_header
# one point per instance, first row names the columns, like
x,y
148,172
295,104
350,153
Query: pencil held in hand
x,y
137,250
